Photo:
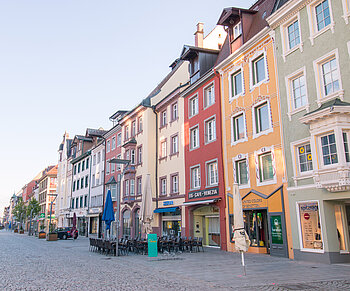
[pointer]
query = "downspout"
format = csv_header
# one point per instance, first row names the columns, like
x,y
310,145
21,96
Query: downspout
x,y
104,187
155,112
88,225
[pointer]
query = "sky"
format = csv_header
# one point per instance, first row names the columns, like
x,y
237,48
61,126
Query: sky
x,y
68,65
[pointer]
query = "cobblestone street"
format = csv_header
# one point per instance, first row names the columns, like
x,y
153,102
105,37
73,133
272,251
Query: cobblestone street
x,y
28,263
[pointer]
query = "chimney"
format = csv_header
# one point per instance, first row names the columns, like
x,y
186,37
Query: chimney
x,y
199,35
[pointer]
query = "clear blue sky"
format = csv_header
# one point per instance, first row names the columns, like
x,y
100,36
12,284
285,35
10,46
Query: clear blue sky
x,y
69,65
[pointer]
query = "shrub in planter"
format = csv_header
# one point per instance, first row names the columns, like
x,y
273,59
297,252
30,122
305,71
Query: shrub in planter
x,y
21,231
51,236
42,234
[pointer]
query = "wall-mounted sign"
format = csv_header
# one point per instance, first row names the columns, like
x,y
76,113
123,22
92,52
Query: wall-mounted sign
x,y
42,215
166,203
276,229
203,193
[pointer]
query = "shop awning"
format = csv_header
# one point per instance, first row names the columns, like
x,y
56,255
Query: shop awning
x,y
208,201
167,209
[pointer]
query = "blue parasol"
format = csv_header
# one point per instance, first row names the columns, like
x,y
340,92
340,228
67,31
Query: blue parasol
x,y
108,212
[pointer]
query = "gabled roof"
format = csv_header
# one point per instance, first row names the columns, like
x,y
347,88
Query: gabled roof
x,y
329,104
231,14
118,114
95,132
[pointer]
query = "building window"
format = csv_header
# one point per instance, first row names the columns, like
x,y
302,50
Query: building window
x,y
298,92
86,181
210,130
81,202
75,169
132,187
77,202
175,184
194,137
195,178
330,77
126,188
139,155
293,34
98,157
323,18
241,167
74,186
209,96
346,147
310,225
212,173
329,149
163,186
163,119
237,30
262,118
126,132
79,168
266,170
139,185
93,184
78,184
98,178
107,167
87,163
133,128
94,159
112,167
236,83
82,165
113,143
85,201
133,156
174,144
193,104
258,70
108,146
140,124
174,112
119,139
305,158
126,223
118,166
238,128
163,149
81,183
72,203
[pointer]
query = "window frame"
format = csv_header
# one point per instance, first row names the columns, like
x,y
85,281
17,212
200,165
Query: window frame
x,y
163,118
258,154
174,136
298,175
173,106
253,60
317,64
346,9
211,119
205,90
163,149
172,176
208,177
199,176
266,131
119,139
191,147
289,90
190,100
232,74
239,24
163,186
233,118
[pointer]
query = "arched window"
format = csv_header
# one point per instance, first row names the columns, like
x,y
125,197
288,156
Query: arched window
x,y
137,230
126,223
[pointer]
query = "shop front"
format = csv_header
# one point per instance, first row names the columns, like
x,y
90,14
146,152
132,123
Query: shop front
x,y
170,220
82,226
264,222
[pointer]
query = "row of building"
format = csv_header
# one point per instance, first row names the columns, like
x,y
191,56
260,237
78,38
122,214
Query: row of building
x,y
261,101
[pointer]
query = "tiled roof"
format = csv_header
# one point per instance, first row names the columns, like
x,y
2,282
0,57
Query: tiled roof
x,y
329,104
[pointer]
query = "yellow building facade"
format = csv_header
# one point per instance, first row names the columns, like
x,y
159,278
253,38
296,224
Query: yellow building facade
x,y
252,145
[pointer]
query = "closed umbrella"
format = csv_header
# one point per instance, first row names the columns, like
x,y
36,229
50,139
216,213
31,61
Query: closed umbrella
x,y
108,211
146,213
240,236
74,225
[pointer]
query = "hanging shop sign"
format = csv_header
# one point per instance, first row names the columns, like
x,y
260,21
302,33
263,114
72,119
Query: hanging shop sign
x,y
203,193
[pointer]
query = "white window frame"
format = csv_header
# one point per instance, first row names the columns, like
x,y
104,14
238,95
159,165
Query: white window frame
x,y
175,149
241,157
163,119
190,113
108,146
239,26
302,249
197,139
113,143
339,147
314,32
346,8
234,72
289,87
207,165
317,64
205,89
257,155
119,139
132,187
233,142
174,109
163,148
132,156
285,37
270,129
199,176
206,129
173,178
298,175
163,186
252,60
127,188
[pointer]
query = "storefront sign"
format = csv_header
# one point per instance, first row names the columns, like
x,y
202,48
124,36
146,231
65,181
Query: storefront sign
x,y
152,245
254,201
276,229
166,203
42,215
203,193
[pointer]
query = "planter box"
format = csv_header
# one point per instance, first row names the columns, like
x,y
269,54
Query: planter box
x,y
15,231
42,235
21,232
51,237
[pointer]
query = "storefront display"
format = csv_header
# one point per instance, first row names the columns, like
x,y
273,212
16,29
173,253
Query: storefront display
x,y
171,223
310,225
255,222
93,225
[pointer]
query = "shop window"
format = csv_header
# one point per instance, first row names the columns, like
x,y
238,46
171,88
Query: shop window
x,y
339,212
310,225
305,158
329,149
126,223
255,223
209,96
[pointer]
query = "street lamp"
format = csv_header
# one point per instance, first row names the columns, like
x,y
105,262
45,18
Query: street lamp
x,y
120,176
54,195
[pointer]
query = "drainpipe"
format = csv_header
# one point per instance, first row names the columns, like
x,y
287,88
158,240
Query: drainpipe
x,y
88,224
155,112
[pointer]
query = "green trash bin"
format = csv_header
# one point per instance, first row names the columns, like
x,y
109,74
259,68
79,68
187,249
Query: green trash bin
x,y
152,245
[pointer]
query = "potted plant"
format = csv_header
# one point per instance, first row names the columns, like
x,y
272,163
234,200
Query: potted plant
x,y
16,230
21,230
52,235
42,233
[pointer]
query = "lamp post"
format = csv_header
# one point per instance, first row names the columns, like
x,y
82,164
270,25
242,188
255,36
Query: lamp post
x,y
120,176
54,195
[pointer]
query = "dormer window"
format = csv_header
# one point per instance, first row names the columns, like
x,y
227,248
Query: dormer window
x,y
195,70
237,30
